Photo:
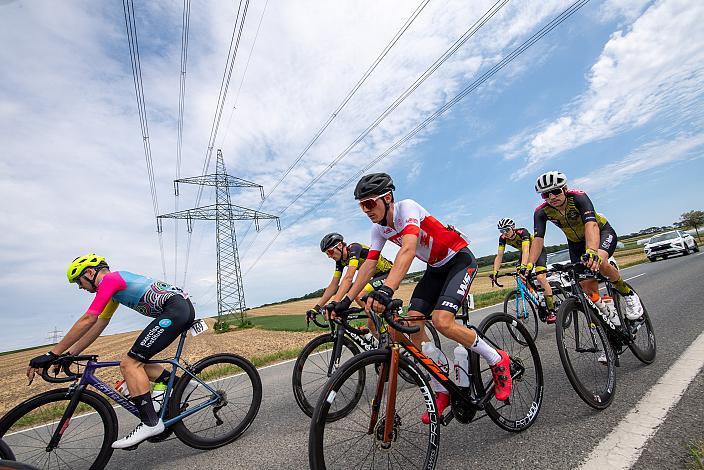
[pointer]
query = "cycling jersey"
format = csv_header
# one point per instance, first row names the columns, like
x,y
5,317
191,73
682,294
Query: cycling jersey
x,y
522,236
578,211
140,293
356,253
437,243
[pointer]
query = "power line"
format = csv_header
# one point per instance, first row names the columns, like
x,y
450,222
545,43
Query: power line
x,y
564,15
342,105
490,13
224,86
185,24
131,27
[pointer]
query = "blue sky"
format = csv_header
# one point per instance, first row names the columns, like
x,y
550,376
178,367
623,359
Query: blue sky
x,y
612,97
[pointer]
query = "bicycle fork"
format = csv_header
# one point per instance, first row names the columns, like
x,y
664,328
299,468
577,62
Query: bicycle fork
x,y
66,418
389,372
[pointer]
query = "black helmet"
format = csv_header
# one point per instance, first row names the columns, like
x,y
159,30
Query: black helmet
x,y
331,239
373,184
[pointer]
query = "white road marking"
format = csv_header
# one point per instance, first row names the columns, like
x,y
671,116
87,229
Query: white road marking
x,y
633,277
621,448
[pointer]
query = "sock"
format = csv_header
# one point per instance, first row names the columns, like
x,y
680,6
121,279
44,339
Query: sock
x,y
622,287
549,302
164,377
146,409
484,350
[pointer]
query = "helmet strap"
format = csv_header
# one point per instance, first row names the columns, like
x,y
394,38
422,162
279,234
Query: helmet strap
x,y
383,221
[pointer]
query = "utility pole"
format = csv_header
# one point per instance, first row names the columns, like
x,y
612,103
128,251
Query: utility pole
x,y
55,335
224,213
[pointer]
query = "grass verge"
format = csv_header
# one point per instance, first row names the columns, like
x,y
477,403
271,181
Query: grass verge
x,y
696,451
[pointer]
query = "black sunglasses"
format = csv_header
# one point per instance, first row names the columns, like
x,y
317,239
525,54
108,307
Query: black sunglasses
x,y
554,192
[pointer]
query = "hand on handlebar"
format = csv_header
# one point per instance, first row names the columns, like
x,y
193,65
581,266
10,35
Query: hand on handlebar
x,y
379,299
591,260
342,305
37,364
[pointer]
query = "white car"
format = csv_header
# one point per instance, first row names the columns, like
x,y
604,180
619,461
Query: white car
x,y
560,257
670,243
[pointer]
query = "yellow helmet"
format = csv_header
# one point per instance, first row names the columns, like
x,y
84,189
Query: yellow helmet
x,y
80,264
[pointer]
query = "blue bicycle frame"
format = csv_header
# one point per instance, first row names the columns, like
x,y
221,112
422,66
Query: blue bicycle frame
x,y
522,293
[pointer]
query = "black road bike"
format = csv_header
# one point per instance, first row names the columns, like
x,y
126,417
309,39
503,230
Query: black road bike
x,y
323,355
590,343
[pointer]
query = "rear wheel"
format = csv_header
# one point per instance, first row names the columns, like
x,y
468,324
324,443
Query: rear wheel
x,y
586,354
310,373
522,310
643,346
523,406
234,383
86,440
349,443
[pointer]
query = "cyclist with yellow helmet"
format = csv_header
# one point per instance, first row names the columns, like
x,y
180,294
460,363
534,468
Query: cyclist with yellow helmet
x,y
170,308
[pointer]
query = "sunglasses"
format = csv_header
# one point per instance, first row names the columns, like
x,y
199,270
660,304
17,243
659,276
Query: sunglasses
x,y
504,230
370,203
554,192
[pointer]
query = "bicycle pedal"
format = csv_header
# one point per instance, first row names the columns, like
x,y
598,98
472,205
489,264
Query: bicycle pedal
x,y
507,402
446,418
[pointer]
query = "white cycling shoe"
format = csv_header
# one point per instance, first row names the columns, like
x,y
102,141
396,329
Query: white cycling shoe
x,y
139,434
634,309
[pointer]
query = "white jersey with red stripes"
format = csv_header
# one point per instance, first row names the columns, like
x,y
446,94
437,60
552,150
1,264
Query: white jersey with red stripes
x,y
437,243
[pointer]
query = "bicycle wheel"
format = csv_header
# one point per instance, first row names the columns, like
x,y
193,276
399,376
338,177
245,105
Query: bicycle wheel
x,y
521,410
86,439
643,346
310,373
5,451
238,389
522,310
581,342
348,443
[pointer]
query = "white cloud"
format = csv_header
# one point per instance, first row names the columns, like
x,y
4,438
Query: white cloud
x,y
647,157
652,69
73,175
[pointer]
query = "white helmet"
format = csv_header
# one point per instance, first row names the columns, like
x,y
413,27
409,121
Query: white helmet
x,y
549,181
505,223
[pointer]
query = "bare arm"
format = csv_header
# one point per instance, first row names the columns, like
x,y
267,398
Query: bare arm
x,y
329,291
346,283
88,338
76,332
498,259
403,261
591,235
364,274
525,253
535,249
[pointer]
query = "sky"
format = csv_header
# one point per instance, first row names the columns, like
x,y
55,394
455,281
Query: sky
x,y
613,97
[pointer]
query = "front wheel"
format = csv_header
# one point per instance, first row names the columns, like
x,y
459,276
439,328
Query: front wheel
x,y
85,440
521,309
523,405
586,354
356,439
234,386
310,373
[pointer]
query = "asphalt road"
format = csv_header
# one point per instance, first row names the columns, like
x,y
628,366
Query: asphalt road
x,y
563,436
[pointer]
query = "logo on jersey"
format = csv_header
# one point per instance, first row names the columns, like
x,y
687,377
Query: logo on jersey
x,y
412,220
388,230
165,323
607,242
464,286
424,239
446,303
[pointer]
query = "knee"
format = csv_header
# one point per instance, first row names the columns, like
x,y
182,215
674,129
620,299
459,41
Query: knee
x,y
128,364
443,322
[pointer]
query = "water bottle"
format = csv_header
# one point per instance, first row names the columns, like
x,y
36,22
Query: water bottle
x,y
541,299
158,393
599,302
611,308
461,362
121,387
371,339
440,359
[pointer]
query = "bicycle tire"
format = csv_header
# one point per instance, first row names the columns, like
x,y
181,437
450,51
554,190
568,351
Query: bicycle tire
x,y
419,393
516,311
225,368
306,400
5,451
12,428
598,399
521,412
646,356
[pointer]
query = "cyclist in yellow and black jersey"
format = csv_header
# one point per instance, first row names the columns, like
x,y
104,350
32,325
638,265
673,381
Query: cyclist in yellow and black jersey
x,y
590,237
348,256
521,239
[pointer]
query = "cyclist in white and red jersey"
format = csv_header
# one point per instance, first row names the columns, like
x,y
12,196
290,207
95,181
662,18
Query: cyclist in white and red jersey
x,y
445,283
172,313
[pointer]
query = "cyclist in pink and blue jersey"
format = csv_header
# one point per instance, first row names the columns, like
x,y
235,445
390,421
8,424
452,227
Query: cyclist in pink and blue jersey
x,y
171,309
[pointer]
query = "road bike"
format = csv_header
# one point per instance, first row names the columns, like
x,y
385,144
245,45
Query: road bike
x,y
213,402
384,428
590,343
322,356
526,303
